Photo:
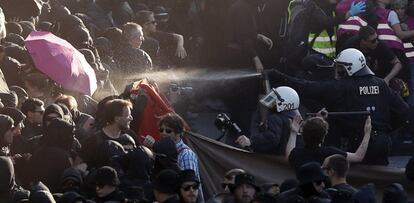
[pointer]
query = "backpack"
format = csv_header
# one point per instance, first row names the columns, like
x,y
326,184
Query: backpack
x,y
299,29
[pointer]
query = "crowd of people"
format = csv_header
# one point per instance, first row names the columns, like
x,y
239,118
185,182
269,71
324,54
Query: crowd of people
x,y
354,58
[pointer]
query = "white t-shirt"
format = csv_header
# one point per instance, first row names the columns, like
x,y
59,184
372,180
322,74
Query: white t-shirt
x,y
393,18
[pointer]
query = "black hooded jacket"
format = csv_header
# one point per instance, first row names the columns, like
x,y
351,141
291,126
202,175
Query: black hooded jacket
x,y
9,191
41,194
71,197
53,108
274,138
307,191
116,196
58,140
166,156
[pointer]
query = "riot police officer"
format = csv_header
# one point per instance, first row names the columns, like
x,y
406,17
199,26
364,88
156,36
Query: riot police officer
x,y
282,103
356,89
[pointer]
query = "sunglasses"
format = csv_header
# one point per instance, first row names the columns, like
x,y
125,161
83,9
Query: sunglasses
x,y
151,22
166,130
188,187
160,155
224,185
99,185
318,182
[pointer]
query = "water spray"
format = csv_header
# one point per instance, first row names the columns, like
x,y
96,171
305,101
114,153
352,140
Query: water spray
x,y
201,78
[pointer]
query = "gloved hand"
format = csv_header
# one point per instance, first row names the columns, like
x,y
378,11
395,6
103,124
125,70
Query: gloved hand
x,y
279,76
243,141
357,8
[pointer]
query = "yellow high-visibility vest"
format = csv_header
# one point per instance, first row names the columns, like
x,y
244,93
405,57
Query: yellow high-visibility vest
x,y
323,43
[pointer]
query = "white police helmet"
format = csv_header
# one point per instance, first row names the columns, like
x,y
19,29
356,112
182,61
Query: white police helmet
x,y
282,98
354,62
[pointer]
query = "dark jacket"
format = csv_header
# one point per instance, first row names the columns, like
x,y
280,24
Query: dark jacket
x,y
71,197
242,27
307,17
41,194
173,199
131,60
357,94
9,191
116,196
305,191
10,68
29,140
274,138
43,170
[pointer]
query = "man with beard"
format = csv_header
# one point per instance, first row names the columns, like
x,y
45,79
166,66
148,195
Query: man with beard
x,y
244,188
188,186
117,118
336,168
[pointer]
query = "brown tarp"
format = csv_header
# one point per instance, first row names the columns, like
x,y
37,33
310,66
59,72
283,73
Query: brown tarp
x,y
215,158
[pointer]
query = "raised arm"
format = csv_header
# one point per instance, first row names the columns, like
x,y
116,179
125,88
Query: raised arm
x,y
294,129
359,154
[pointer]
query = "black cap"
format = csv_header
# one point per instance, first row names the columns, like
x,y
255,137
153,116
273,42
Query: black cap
x,y
310,172
166,181
288,184
166,147
160,11
14,113
187,175
394,193
9,99
106,175
244,178
54,108
20,92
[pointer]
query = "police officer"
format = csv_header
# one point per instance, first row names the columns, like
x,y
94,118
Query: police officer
x,y
283,103
356,90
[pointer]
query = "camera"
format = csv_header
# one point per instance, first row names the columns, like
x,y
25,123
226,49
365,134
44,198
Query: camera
x,y
183,90
224,124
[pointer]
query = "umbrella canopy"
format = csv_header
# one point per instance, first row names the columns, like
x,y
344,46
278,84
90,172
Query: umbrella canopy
x,y
63,63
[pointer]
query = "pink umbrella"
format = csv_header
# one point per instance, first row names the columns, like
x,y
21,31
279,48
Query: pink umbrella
x,y
63,63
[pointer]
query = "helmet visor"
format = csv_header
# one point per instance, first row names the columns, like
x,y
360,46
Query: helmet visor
x,y
341,69
269,100
364,71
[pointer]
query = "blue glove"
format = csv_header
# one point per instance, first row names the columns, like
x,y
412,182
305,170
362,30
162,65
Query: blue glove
x,y
357,8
